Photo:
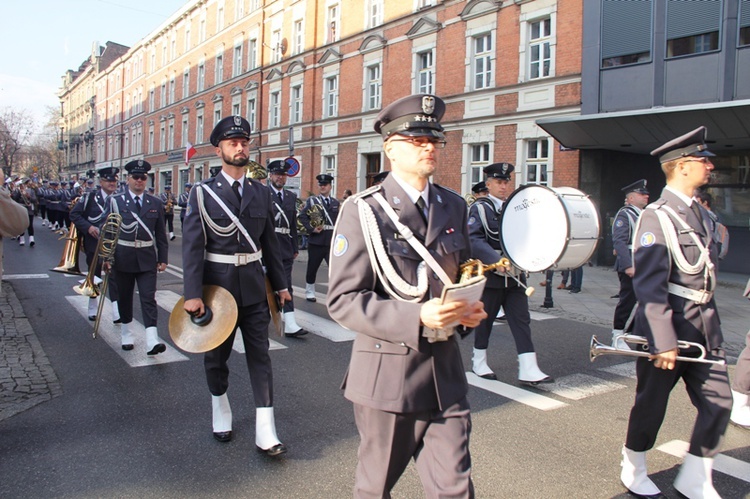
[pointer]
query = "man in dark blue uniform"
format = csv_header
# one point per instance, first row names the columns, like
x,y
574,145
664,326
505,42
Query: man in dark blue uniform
x,y
674,281
142,251
319,236
167,197
285,216
501,289
182,202
636,199
229,227
88,215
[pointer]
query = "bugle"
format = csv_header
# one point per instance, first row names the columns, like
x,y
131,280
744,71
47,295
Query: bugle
x,y
472,268
69,259
597,348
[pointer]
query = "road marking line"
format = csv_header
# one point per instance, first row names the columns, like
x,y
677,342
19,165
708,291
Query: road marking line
x,y
239,345
514,393
299,292
111,334
322,327
579,386
174,270
722,463
12,277
626,370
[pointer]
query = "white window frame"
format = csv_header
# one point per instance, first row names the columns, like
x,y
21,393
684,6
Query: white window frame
x,y
333,23
163,137
237,60
424,73
538,164
482,61
480,155
373,14
252,110
525,62
252,53
201,86
217,114
219,69
186,83
274,109
184,130
295,103
151,139
298,37
199,126
373,79
331,96
170,135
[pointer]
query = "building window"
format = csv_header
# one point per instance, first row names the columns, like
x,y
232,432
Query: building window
x,y
251,113
482,47
374,14
184,131
187,39
219,69
295,112
202,31
626,44
692,27
480,157
537,159
239,9
237,66
331,101
373,85
425,73
220,18
163,138
201,77
163,95
332,22
172,88
199,127
329,164
276,46
139,142
151,140
186,84
173,49
236,108
274,111
170,144
298,37
744,23
217,115
252,54
151,101
422,4
539,48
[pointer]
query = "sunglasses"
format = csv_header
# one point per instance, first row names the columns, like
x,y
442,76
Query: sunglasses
x,y
139,176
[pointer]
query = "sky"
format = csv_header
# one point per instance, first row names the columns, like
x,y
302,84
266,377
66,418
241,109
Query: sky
x,y
42,39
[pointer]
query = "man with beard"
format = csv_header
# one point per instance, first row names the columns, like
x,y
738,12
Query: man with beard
x,y
229,227
674,281
285,216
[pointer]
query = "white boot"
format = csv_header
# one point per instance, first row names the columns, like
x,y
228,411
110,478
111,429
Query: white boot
x,y
126,337
500,315
479,364
528,370
310,292
115,313
291,328
154,345
740,409
171,236
265,432
31,241
222,417
617,340
694,479
21,240
634,475
93,308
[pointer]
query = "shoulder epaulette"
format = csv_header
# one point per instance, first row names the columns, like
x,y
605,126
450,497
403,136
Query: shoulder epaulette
x,y
448,189
367,192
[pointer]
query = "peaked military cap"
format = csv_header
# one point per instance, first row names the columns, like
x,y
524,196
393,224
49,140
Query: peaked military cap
x,y
54,182
278,167
691,144
109,173
138,166
380,177
638,186
167,187
90,181
324,179
499,170
150,189
188,184
229,128
479,187
414,115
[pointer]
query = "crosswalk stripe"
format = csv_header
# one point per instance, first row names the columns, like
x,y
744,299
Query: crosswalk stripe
x,y
579,386
111,334
299,292
13,277
514,393
322,327
626,370
167,299
723,464
174,270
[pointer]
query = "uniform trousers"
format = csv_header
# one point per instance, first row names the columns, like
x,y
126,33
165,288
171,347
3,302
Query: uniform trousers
x,y
626,303
708,388
741,380
169,218
288,265
43,211
437,440
515,303
253,323
146,291
30,229
316,254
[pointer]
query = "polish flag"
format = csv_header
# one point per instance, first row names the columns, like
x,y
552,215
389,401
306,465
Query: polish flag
x,y
189,152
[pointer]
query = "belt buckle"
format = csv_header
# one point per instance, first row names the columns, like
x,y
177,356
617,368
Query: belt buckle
x,y
242,259
136,244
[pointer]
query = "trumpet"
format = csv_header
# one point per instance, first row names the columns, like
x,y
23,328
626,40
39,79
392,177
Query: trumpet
x,y
598,348
255,170
473,268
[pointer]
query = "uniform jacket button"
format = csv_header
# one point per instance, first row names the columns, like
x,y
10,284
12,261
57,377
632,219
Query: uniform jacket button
x,y
377,345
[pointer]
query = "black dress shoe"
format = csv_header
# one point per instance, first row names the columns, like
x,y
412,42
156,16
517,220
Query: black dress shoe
x,y
547,379
274,451
311,299
92,317
158,348
223,436
299,333
127,347
117,321
172,238
491,376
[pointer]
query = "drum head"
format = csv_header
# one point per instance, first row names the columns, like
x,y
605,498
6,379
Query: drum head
x,y
534,228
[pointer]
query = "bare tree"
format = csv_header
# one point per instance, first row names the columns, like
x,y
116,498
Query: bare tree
x,y
16,129
42,157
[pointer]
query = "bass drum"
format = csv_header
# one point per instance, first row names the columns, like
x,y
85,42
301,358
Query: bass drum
x,y
544,227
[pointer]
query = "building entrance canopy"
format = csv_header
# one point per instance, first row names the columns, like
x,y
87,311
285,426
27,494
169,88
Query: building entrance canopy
x,y
641,131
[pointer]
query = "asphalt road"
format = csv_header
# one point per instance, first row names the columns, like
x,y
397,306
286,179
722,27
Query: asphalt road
x,y
144,431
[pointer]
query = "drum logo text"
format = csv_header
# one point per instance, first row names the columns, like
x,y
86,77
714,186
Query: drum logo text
x,y
526,204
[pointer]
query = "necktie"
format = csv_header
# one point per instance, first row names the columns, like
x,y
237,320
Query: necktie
x,y
421,207
281,199
236,189
327,202
138,203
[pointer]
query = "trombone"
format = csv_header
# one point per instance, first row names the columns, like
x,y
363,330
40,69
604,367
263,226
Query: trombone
x,y
109,233
598,348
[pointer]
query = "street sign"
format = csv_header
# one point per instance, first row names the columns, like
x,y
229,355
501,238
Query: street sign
x,y
292,166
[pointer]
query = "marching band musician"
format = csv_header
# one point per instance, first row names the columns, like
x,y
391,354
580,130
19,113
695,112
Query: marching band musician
x,y
229,227
636,199
41,193
182,202
741,382
169,201
88,215
405,379
480,190
319,238
142,251
53,197
25,196
674,281
285,216
501,290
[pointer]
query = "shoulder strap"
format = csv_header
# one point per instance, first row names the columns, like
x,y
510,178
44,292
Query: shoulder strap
x,y
229,213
